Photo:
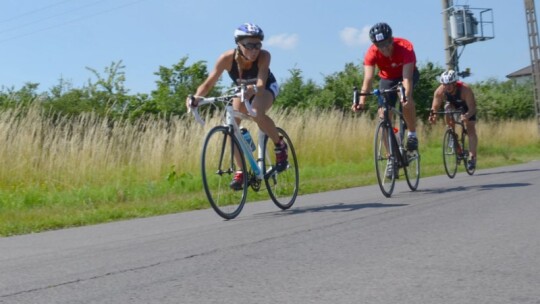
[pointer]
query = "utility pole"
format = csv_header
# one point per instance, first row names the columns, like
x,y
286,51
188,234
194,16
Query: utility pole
x,y
532,29
450,49
464,25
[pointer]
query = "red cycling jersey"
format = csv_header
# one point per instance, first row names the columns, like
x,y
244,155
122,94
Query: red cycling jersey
x,y
391,67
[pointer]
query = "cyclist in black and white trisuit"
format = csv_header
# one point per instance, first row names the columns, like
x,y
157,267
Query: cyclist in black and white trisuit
x,y
457,95
249,64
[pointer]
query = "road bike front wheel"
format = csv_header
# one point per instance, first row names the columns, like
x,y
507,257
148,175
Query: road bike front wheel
x,y
466,149
219,166
450,157
385,160
412,170
282,186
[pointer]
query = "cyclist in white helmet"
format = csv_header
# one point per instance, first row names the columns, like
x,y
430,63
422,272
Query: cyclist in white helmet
x,y
249,64
456,95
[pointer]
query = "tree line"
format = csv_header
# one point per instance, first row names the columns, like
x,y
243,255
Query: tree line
x,y
107,95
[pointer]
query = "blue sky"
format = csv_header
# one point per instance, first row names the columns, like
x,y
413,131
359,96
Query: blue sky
x,y
42,41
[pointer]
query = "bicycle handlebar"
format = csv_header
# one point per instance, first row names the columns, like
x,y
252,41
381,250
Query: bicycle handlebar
x,y
462,111
397,88
239,92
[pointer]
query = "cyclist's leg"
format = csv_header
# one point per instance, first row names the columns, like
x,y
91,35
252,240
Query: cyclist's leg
x,y
449,118
238,178
261,104
409,108
473,141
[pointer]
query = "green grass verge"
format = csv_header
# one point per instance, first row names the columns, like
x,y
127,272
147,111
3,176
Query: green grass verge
x,y
30,209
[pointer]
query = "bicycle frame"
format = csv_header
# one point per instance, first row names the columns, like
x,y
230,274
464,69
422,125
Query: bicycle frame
x,y
457,121
256,165
460,140
389,152
226,152
387,109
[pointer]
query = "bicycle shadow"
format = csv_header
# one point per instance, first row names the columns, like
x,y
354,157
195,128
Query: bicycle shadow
x,y
508,171
474,187
338,207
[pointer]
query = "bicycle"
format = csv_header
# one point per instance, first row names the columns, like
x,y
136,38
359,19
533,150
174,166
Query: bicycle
x,y
455,146
389,152
225,146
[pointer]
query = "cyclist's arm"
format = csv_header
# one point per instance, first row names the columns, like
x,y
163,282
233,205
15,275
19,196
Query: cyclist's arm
x,y
213,77
221,65
264,70
369,73
437,102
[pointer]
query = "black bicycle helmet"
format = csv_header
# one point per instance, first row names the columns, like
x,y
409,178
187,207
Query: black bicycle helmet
x,y
248,30
380,32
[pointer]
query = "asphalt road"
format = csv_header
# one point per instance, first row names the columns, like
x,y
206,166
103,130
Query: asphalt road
x,y
466,240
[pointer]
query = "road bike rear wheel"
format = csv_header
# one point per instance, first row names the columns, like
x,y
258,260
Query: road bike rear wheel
x,y
466,149
450,157
385,160
412,170
219,166
282,186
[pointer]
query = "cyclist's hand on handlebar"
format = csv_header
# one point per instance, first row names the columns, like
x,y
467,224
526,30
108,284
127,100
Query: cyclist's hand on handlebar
x,y
358,107
191,102
432,118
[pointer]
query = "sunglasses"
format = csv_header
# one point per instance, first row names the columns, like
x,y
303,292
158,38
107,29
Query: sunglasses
x,y
252,46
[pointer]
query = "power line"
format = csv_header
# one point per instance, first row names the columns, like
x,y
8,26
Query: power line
x,y
50,17
67,22
33,12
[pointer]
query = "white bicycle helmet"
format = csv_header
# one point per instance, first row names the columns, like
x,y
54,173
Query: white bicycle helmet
x,y
248,30
448,77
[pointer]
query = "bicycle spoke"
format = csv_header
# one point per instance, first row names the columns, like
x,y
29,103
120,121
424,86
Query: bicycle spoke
x,y
218,169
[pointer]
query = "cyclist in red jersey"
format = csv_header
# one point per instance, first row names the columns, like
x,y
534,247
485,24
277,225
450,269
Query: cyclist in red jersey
x,y
457,95
396,60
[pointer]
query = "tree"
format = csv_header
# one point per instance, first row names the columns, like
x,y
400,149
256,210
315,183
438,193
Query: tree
x,y
341,85
294,93
424,89
504,100
175,84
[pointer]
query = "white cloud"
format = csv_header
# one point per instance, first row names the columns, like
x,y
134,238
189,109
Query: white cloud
x,y
352,36
284,41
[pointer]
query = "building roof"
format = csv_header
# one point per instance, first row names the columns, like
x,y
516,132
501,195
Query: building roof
x,y
526,71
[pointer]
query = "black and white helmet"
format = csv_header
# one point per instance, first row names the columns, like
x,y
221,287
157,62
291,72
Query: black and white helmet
x,y
449,76
380,32
248,30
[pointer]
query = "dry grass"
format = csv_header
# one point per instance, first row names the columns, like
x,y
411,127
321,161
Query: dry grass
x,y
76,152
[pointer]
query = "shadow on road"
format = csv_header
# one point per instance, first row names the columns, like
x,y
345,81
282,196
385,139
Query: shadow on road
x,y
474,187
339,207
509,171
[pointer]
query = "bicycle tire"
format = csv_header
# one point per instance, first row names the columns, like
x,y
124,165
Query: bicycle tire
x,y
466,149
384,157
450,157
218,166
282,186
412,170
